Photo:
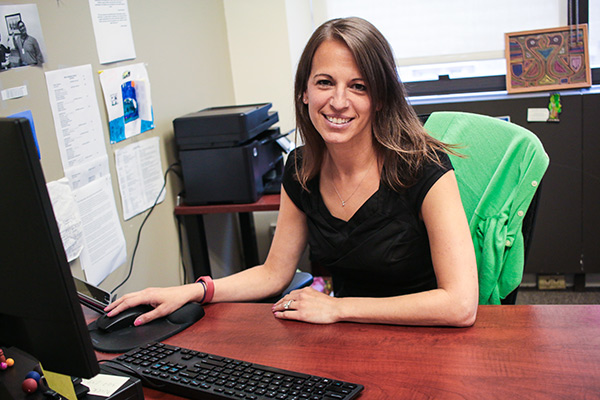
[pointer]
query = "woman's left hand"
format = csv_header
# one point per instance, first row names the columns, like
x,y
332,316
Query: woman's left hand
x,y
308,305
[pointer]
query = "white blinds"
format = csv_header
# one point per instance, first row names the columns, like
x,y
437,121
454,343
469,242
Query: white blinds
x,y
456,35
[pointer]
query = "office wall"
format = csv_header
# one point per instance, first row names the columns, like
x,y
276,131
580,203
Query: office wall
x,y
266,38
184,46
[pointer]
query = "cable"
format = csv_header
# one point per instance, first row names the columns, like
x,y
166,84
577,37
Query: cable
x,y
137,241
126,369
181,255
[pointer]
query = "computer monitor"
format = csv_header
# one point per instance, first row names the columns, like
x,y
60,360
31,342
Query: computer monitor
x,y
39,309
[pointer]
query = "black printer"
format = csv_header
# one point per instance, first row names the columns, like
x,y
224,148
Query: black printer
x,y
229,154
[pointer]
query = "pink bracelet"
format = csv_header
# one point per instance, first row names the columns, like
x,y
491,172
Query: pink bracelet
x,y
209,288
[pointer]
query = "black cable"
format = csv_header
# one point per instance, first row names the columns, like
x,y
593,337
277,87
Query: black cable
x,y
126,369
181,250
137,241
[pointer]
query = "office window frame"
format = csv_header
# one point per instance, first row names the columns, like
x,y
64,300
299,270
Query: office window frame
x,y
578,12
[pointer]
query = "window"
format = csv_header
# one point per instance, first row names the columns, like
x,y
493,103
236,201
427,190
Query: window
x,y
594,32
446,46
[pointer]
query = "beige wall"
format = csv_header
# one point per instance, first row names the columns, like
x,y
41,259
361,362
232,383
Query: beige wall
x,y
184,46
265,41
198,53
266,38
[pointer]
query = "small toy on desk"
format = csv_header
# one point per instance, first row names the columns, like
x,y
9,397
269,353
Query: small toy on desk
x,y
5,362
29,385
34,375
31,382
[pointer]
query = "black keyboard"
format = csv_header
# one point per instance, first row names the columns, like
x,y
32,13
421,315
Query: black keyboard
x,y
198,375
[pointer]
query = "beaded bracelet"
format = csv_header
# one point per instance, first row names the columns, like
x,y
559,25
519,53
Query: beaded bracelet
x,y
209,288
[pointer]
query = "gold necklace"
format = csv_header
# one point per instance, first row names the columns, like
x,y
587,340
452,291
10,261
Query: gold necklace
x,y
351,194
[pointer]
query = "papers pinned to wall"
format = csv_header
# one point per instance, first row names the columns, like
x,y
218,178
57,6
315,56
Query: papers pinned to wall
x,y
128,101
85,162
76,115
112,29
67,217
140,176
104,243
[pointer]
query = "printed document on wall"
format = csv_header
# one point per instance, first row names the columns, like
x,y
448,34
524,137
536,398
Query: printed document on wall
x,y
112,29
76,115
128,101
85,162
140,176
88,171
67,217
105,248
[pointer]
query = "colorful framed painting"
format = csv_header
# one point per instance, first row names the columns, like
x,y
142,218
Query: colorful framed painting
x,y
547,59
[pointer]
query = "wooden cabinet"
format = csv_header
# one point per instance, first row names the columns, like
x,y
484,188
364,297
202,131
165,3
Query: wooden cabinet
x,y
591,183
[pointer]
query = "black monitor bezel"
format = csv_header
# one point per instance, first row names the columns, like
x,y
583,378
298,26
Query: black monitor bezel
x,y
40,311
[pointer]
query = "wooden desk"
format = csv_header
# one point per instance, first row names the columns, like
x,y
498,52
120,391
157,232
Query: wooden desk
x,y
193,221
525,352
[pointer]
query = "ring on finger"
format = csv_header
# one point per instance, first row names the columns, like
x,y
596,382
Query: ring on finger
x,y
287,305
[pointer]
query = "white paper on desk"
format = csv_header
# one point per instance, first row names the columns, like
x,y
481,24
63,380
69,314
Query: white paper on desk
x,y
104,243
140,176
87,172
67,217
76,115
112,29
104,385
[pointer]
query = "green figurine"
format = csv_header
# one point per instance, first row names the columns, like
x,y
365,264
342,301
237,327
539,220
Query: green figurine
x,y
555,107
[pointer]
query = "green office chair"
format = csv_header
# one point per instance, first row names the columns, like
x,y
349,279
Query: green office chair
x,y
498,177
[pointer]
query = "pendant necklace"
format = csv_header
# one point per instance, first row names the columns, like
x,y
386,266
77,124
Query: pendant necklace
x,y
352,194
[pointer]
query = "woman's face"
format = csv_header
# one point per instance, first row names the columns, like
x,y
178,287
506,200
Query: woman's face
x,y
339,104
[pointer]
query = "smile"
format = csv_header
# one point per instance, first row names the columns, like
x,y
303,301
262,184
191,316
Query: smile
x,y
335,120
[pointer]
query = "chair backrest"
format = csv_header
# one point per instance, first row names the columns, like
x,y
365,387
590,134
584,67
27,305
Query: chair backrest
x,y
498,175
301,279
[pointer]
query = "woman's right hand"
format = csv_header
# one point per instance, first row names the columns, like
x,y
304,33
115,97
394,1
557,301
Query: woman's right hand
x,y
164,301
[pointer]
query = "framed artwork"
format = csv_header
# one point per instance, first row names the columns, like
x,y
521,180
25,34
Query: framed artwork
x,y
547,59
11,23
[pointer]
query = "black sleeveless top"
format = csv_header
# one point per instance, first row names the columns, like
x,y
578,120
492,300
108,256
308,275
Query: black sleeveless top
x,y
383,250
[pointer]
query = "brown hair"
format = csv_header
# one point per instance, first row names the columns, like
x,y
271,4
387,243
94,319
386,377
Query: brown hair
x,y
401,142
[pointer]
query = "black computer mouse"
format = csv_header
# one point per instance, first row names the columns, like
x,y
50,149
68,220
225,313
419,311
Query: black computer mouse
x,y
123,320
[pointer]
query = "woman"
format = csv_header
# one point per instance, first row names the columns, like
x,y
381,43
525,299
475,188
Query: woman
x,y
374,196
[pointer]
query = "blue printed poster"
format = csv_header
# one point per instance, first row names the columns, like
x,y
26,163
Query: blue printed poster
x,y
128,101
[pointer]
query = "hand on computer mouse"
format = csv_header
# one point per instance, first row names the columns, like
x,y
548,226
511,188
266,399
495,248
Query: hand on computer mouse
x,y
124,319
164,301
